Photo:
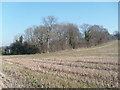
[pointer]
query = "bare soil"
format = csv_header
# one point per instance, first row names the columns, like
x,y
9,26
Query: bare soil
x,y
95,67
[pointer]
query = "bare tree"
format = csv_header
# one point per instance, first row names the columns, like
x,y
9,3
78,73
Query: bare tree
x,y
29,34
49,22
53,36
86,32
99,34
40,37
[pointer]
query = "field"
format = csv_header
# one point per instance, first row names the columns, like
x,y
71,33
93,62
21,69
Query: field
x,y
95,67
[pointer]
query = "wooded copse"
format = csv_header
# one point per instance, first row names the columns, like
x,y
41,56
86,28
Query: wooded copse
x,y
53,36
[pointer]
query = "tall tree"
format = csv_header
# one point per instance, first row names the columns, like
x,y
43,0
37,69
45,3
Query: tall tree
x,y
86,32
49,22
99,34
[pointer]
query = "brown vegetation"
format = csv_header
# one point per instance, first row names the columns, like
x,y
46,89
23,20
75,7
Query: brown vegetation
x,y
95,67
53,36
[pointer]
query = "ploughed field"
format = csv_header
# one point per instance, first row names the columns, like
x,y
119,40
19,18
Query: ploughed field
x,y
95,67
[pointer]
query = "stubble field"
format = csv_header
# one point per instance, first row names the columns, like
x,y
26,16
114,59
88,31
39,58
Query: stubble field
x,y
95,67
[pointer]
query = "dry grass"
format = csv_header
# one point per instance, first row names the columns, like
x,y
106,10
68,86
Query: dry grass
x,y
95,67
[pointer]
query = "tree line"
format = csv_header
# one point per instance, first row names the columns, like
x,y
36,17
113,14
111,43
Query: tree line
x,y
53,36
